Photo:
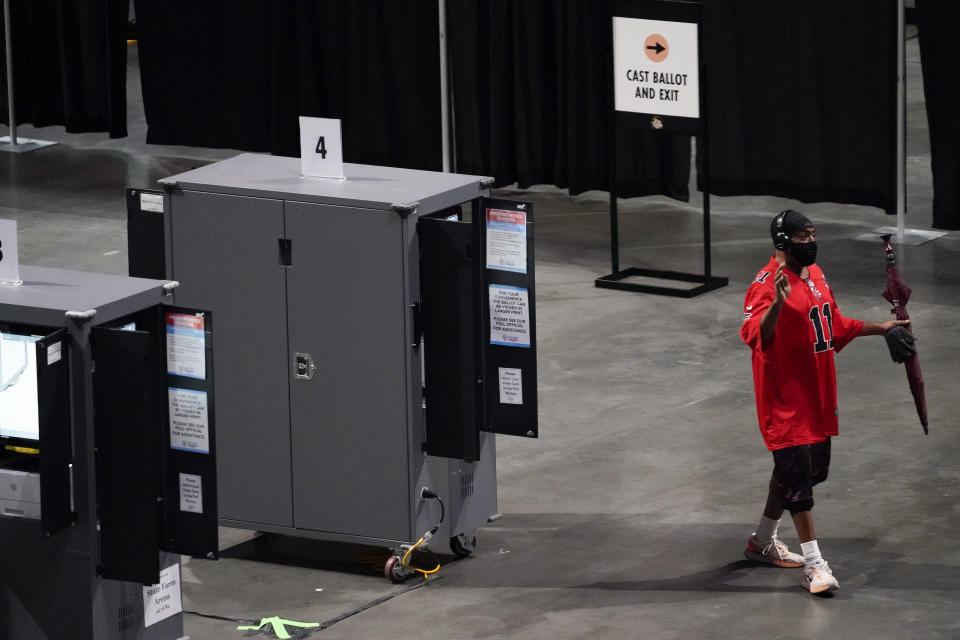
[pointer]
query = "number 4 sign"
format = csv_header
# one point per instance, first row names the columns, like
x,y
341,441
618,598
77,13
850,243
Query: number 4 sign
x,y
321,151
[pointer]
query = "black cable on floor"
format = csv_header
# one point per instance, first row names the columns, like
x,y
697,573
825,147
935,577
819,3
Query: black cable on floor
x,y
370,605
215,617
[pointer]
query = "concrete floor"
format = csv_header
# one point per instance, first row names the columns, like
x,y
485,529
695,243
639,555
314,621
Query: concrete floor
x,y
627,518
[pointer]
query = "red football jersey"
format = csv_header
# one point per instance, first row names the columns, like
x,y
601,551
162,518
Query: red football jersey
x,y
794,376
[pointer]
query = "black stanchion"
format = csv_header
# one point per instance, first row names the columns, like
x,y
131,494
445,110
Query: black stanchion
x,y
660,10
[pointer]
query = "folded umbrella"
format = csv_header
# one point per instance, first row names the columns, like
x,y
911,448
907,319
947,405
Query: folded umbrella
x,y
898,294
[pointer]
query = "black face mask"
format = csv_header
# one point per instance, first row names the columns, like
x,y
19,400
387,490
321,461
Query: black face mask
x,y
805,253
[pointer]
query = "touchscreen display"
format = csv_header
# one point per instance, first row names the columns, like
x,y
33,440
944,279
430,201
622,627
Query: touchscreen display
x,y
19,406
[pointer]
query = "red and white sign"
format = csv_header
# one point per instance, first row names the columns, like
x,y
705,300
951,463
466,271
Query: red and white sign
x,y
507,240
185,346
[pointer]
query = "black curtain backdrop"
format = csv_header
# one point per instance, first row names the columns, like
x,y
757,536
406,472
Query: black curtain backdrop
x,y
802,94
69,59
938,23
803,99
530,94
216,76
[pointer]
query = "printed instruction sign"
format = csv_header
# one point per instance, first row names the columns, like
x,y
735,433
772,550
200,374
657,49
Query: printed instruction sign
x,y
162,600
511,386
185,346
507,240
509,316
321,149
189,427
9,258
191,493
656,67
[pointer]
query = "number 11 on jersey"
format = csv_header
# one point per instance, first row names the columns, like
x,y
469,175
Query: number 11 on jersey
x,y
824,341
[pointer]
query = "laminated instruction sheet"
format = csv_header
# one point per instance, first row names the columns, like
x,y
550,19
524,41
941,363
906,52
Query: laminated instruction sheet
x,y
185,346
189,424
509,316
507,240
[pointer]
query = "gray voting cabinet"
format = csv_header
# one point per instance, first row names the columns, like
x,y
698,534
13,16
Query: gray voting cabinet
x,y
323,401
98,497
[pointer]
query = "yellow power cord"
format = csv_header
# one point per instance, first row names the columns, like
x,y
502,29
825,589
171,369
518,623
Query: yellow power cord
x,y
15,449
425,572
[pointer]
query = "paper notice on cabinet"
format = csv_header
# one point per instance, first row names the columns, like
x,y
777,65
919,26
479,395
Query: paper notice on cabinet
x,y
185,346
189,429
509,316
511,386
191,493
507,240
162,600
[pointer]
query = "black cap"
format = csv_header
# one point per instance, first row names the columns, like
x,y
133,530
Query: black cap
x,y
789,223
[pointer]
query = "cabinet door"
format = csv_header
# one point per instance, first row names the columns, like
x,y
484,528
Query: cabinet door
x,y
129,419
56,453
189,460
226,257
349,420
451,328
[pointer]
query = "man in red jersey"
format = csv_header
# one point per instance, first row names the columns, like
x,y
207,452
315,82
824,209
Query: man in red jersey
x,y
793,327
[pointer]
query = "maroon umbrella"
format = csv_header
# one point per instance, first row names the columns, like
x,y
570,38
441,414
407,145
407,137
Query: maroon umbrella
x,y
898,294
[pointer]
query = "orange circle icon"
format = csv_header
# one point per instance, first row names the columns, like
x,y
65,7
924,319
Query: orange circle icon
x,y
656,47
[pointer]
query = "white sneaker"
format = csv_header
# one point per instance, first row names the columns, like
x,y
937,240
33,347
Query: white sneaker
x,y
818,578
773,552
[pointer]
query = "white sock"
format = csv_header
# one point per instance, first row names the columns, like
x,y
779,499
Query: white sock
x,y
811,553
766,529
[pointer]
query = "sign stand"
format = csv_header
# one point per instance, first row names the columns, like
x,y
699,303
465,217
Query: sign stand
x,y
677,117
11,143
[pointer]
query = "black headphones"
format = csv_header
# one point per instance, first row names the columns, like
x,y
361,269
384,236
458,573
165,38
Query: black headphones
x,y
780,238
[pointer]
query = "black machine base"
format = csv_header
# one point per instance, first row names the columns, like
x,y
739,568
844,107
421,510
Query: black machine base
x,y
616,281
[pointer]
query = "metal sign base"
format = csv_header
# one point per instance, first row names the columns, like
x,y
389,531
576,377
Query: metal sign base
x,y
617,281
910,237
23,144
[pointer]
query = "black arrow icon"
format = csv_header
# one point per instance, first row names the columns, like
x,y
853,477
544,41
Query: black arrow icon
x,y
658,48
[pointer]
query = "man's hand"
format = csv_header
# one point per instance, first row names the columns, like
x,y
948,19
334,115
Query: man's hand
x,y
890,324
781,286
768,322
900,341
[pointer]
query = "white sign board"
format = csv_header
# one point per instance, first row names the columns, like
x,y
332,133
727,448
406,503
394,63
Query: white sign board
x,y
656,67
509,316
9,260
191,493
162,600
321,148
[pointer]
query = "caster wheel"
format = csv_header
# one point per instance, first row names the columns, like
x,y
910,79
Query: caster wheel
x,y
393,570
463,546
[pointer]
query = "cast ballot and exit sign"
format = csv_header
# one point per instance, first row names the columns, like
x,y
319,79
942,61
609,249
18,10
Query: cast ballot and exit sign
x,y
656,65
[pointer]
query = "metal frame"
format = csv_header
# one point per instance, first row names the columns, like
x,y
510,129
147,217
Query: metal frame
x,y
11,143
615,279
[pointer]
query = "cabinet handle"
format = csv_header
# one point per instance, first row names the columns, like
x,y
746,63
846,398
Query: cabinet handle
x,y
303,366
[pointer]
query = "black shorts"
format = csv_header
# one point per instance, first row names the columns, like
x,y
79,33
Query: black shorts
x,y
797,469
